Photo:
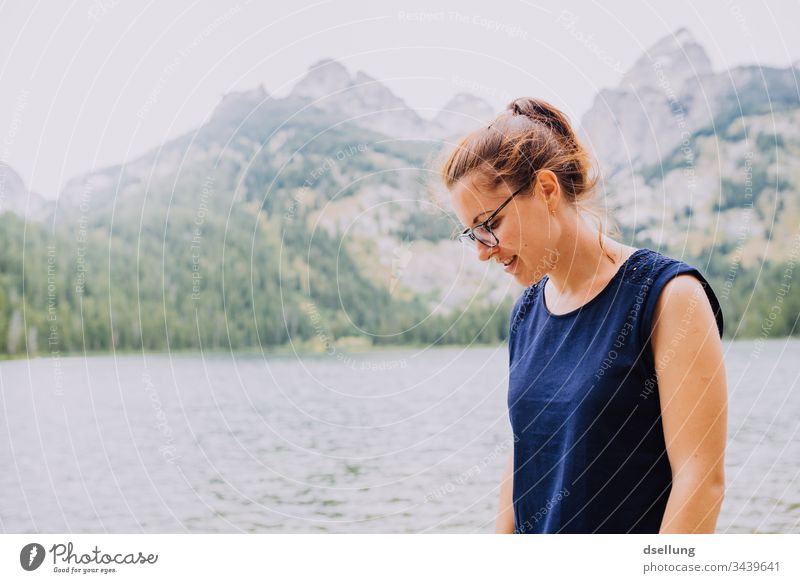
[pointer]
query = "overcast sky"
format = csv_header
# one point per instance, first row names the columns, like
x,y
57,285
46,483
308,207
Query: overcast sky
x,y
85,84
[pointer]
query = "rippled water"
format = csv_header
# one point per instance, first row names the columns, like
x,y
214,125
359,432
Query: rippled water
x,y
405,441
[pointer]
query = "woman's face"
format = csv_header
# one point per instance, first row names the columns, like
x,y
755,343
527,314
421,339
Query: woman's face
x,y
527,231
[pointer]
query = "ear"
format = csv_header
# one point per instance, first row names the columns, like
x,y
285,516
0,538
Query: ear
x,y
547,184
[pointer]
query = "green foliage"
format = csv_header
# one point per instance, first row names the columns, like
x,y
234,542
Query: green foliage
x,y
683,156
757,302
767,143
219,252
765,91
740,194
428,226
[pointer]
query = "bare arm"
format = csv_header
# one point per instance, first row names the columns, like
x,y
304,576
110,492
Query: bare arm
x,y
505,510
693,395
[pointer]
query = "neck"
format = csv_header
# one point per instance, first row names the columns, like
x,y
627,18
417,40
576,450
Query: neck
x,y
582,265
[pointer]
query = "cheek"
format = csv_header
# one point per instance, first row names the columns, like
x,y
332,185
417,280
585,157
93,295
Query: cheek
x,y
514,234
525,238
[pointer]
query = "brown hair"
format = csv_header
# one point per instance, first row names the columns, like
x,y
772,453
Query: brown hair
x,y
529,136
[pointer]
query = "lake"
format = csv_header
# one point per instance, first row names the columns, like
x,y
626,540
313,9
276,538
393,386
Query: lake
x,y
394,441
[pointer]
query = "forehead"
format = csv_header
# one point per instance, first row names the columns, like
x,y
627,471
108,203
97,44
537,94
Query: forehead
x,y
471,197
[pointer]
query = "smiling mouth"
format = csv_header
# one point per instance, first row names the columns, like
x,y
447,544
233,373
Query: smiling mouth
x,y
508,264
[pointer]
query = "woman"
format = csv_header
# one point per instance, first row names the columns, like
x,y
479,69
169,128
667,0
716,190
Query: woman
x,y
617,389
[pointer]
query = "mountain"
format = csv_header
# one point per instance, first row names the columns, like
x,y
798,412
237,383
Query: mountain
x,y
16,198
366,102
315,221
656,101
669,63
275,222
697,158
669,94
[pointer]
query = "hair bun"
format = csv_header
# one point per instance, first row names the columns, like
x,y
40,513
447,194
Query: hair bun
x,y
540,111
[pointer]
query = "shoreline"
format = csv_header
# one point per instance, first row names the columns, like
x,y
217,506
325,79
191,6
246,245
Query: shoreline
x,y
303,351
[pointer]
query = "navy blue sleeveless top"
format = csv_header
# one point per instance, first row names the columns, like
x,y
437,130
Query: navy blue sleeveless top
x,y
589,450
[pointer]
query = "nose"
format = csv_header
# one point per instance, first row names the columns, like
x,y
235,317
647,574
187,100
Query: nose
x,y
484,252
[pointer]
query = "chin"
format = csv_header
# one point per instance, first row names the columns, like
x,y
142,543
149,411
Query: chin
x,y
519,274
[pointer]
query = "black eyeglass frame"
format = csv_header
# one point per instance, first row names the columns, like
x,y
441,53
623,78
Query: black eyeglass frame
x,y
469,233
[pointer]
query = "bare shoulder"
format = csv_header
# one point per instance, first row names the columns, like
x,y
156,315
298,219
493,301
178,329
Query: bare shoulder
x,y
681,298
684,316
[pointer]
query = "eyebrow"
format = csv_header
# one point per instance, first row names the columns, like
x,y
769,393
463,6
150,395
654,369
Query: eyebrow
x,y
475,220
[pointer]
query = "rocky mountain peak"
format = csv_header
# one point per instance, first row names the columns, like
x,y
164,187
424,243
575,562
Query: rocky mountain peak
x,y
374,95
669,63
642,118
241,101
362,99
324,77
369,103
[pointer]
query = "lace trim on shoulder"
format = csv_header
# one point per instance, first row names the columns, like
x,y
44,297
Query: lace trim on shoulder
x,y
645,267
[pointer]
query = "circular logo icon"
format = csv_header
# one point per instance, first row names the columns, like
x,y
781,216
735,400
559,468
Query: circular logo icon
x,y
31,556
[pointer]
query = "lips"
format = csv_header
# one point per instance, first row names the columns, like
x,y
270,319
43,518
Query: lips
x,y
509,263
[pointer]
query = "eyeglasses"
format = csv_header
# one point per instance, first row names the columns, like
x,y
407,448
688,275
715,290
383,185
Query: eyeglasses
x,y
483,232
